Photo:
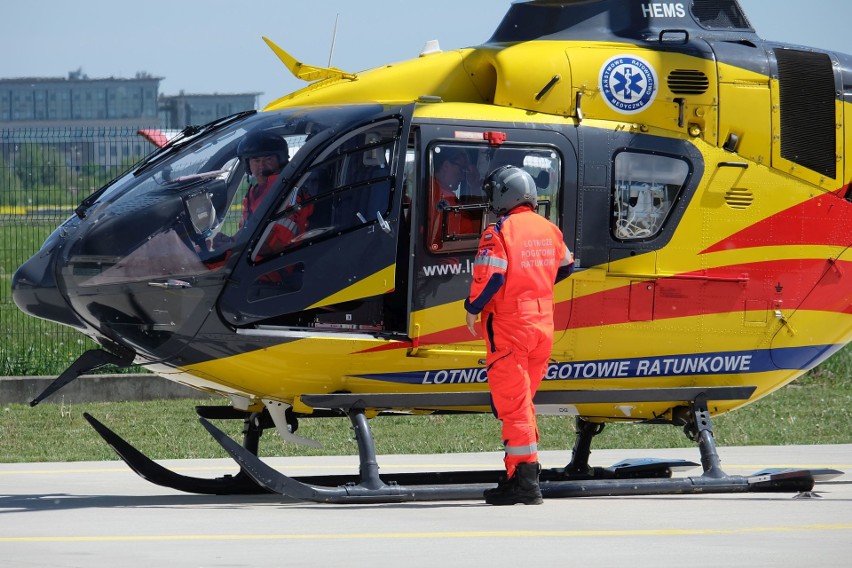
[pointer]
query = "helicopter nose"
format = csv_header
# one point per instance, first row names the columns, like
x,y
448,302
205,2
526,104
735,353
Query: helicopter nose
x,y
34,291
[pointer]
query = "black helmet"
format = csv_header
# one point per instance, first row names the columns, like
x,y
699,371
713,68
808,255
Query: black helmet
x,y
509,186
263,143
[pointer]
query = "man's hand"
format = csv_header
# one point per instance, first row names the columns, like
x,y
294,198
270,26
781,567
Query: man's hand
x,y
471,320
220,241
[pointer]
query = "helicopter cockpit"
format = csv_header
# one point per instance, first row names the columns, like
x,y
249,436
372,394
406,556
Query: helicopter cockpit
x,y
184,213
145,257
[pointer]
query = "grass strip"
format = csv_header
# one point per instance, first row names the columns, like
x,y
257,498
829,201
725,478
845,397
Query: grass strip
x,y
812,410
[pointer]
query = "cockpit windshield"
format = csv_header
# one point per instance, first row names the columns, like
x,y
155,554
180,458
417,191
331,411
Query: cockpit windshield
x,y
190,211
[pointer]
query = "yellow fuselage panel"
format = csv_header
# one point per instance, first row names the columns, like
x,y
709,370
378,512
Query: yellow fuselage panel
x,y
745,113
571,84
440,75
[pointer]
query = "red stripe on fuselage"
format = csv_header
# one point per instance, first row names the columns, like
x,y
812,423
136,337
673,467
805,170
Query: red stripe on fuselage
x,y
776,284
823,220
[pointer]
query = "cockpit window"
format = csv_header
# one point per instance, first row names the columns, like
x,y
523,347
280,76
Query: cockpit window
x,y
190,212
457,209
348,185
645,189
720,14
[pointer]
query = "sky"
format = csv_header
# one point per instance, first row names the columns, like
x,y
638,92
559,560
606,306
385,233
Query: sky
x,y
215,46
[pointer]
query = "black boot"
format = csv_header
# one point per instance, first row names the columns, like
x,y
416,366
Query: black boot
x,y
504,485
520,488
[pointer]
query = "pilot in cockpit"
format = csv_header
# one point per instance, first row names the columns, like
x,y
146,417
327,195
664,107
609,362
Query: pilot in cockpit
x,y
264,155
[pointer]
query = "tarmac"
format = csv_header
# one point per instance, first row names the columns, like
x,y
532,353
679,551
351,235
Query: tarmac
x,y
101,514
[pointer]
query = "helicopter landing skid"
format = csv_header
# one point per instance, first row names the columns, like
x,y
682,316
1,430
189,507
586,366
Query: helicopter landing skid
x,y
243,484
148,469
577,479
372,489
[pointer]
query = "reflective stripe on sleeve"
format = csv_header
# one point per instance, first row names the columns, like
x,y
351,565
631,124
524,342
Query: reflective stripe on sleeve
x,y
522,450
289,224
491,261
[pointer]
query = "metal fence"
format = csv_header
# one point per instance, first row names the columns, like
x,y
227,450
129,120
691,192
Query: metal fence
x,y
44,174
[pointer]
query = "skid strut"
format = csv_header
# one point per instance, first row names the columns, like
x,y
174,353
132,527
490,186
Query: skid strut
x,y
578,468
372,489
577,479
700,430
579,465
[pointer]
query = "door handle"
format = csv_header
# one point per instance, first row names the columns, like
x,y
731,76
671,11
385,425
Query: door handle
x,y
171,283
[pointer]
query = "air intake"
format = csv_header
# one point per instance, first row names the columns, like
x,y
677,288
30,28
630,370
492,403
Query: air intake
x,y
688,82
739,198
808,123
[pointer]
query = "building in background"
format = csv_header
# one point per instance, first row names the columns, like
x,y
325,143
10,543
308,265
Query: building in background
x,y
51,102
103,116
177,111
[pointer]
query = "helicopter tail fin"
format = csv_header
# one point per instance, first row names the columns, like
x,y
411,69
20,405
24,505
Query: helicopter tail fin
x,y
307,72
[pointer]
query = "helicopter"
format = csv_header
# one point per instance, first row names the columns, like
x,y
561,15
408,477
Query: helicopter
x,y
696,171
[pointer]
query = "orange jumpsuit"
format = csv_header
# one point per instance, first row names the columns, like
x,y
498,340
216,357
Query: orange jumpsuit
x,y
255,196
513,277
286,228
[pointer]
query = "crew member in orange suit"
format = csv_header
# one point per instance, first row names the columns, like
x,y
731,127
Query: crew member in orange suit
x,y
265,155
520,259
452,167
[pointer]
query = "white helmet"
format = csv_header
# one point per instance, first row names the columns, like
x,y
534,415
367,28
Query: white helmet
x,y
509,186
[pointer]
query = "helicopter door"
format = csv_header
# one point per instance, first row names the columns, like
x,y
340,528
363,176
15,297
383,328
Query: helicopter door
x,y
336,273
452,211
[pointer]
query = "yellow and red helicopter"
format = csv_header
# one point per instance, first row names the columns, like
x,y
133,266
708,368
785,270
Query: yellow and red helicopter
x,y
697,171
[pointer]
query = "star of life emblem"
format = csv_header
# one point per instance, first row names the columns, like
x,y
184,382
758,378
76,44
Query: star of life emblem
x,y
628,83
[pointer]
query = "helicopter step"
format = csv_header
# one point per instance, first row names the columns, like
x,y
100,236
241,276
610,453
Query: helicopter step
x,y
346,401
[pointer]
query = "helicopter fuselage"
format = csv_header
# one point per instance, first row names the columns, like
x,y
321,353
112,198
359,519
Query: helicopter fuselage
x,y
699,178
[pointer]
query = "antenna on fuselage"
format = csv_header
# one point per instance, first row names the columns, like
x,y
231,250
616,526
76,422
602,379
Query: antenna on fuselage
x,y
333,39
